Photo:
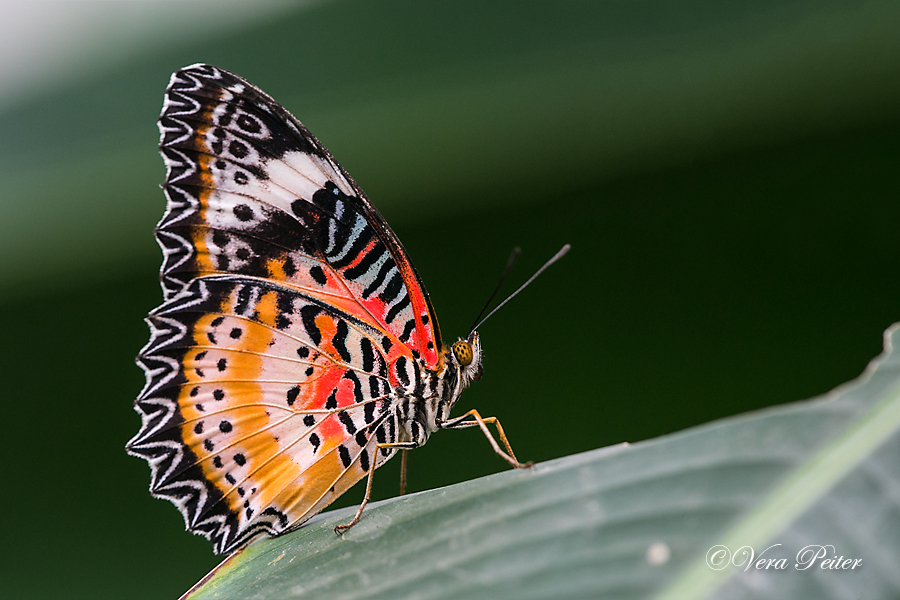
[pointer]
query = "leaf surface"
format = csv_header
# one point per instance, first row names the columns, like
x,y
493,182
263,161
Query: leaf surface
x,y
630,521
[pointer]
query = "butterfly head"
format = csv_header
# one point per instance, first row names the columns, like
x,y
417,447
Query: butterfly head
x,y
467,354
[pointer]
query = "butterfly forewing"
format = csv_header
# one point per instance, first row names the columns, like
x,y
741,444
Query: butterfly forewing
x,y
289,304
251,191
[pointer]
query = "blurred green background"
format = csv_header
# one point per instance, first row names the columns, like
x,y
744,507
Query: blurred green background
x,y
727,176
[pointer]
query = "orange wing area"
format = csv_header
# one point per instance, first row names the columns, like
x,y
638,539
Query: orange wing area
x,y
252,192
275,408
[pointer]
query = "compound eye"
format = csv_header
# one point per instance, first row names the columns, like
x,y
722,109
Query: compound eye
x,y
462,350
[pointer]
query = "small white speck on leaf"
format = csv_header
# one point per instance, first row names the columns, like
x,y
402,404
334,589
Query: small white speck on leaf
x,y
658,553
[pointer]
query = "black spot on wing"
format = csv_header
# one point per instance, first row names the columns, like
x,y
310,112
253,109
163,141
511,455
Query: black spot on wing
x,y
419,388
374,386
364,460
396,308
393,287
351,376
345,456
292,395
243,300
248,124
222,262
407,331
243,212
308,316
327,198
368,355
402,375
347,421
238,149
340,341
300,207
290,269
284,303
318,275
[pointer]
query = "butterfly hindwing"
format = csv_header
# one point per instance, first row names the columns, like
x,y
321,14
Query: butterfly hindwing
x,y
277,397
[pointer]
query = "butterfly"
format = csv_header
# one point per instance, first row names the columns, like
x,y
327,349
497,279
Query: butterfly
x,y
296,349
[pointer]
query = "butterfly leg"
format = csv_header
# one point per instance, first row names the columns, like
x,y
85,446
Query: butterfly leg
x,y
403,472
339,529
481,422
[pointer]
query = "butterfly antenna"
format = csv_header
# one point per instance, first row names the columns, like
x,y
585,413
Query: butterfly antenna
x,y
509,263
556,257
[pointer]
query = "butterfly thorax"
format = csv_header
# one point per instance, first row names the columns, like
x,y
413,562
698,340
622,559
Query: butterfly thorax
x,y
421,414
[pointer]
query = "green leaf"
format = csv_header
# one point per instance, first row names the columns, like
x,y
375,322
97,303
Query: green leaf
x,y
630,521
